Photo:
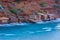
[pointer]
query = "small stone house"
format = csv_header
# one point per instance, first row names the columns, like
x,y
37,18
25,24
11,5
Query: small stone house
x,y
4,19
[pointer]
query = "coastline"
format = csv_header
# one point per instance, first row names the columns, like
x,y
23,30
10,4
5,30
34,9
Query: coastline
x,y
23,24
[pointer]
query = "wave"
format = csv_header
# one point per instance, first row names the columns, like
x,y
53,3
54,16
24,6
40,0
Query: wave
x,y
13,24
19,23
57,20
9,34
47,29
42,22
58,26
5,25
22,24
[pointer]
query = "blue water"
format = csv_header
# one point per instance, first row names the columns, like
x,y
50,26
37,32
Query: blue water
x,y
45,31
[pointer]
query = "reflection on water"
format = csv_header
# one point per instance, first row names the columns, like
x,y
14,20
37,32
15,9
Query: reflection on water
x,y
48,31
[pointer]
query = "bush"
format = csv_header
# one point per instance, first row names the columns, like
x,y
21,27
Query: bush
x,y
13,11
42,4
40,11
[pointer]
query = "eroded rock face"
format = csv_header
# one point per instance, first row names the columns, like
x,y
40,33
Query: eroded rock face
x,y
7,0
31,7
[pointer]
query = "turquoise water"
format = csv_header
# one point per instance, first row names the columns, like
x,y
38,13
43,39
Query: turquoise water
x,y
45,31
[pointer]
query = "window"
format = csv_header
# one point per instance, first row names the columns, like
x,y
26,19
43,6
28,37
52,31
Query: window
x,y
56,1
58,11
4,21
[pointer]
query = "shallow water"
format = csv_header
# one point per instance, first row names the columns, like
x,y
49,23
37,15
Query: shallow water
x,y
45,31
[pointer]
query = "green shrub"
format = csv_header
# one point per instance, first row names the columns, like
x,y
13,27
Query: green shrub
x,y
13,11
42,4
40,11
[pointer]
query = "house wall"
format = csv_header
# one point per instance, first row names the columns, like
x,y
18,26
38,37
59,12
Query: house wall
x,y
2,14
5,22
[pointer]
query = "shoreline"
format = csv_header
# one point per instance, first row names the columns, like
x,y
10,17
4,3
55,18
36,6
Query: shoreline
x,y
23,24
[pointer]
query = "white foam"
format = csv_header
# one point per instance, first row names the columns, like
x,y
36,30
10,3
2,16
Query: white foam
x,y
9,34
5,25
23,23
18,23
3,34
58,26
57,20
15,23
45,28
42,22
12,24
48,30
